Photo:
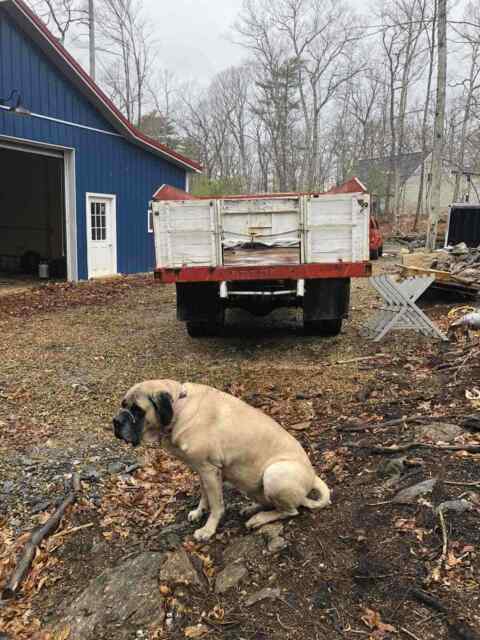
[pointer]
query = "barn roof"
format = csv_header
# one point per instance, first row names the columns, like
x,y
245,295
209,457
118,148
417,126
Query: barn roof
x,y
39,33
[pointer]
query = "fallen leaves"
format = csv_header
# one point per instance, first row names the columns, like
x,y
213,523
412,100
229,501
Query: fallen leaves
x,y
55,296
197,631
373,621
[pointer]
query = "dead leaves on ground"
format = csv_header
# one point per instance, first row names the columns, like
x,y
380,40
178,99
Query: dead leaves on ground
x,y
145,498
65,295
373,621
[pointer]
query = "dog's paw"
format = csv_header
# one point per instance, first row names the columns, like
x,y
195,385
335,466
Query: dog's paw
x,y
204,534
195,515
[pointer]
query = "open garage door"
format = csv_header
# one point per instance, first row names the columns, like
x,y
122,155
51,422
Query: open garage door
x,y
33,212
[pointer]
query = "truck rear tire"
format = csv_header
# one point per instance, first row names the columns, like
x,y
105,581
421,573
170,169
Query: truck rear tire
x,y
322,327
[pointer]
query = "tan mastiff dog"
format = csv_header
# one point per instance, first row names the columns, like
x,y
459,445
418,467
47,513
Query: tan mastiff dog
x,y
222,438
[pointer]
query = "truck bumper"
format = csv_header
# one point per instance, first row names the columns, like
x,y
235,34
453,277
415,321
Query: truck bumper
x,y
281,272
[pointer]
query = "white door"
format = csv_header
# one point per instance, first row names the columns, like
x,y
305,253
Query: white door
x,y
101,235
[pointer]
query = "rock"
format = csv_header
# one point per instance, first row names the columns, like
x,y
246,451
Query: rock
x,y
242,549
472,422
270,593
300,426
26,462
392,468
459,506
459,249
271,533
133,467
438,431
271,530
178,569
90,473
409,494
322,598
118,598
115,467
38,507
276,544
230,577
8,486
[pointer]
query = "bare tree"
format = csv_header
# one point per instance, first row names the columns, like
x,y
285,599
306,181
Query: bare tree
x,y
59,15
313,40
126,41
438,139
471,88
430,36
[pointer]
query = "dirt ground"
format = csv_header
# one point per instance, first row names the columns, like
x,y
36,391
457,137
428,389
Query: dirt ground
x,y
67,355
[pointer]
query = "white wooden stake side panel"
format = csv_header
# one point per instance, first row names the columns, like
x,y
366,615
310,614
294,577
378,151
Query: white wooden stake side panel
x,y
185,234
336,229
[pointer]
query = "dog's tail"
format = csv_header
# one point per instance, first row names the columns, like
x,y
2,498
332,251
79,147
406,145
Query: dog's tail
x,y
324,500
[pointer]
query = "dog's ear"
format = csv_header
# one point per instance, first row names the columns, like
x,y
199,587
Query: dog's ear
x,y
163,405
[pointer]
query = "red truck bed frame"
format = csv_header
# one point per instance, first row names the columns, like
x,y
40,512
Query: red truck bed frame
x,y
280,272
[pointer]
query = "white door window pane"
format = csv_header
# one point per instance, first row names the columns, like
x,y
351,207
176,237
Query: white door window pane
x,y
98,221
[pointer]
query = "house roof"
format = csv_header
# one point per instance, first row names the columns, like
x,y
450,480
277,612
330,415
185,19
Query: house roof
x,y
408,163
38,31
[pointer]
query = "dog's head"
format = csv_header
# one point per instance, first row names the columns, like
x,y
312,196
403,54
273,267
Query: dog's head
x,y
147,411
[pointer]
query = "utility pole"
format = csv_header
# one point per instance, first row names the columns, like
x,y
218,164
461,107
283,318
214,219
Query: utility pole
x,y
439,126
91,37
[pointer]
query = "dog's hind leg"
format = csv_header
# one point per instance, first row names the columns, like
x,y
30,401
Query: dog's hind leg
x,y
264,517
197,513
285,485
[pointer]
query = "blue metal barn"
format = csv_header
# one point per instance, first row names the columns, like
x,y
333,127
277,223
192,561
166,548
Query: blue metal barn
x,y
75,176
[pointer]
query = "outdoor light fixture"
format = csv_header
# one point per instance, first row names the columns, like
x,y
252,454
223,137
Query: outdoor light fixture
x,y
14,103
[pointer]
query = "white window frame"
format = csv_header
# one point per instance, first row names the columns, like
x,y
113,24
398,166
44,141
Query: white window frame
x,y
150,220
89,196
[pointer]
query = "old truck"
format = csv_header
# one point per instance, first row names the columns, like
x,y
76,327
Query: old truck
x,y
259,253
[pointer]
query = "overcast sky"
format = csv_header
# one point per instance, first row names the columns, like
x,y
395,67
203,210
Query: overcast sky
x,y
193,36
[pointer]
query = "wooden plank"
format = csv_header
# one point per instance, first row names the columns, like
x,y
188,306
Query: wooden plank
x,y
440,276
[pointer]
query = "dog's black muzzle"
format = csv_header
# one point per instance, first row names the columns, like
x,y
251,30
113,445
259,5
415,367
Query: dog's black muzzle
x,y
127,427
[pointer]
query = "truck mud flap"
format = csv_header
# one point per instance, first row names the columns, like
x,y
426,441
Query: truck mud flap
x,y
199,302
326,299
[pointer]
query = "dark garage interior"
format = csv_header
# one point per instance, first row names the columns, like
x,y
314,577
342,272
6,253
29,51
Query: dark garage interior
x,y
32,215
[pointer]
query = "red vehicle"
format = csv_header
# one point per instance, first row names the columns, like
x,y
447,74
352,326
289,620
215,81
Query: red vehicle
x,y
376,239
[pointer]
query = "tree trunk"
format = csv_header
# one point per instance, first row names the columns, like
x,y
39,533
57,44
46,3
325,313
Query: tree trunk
x,y
91,37
419,210
439,133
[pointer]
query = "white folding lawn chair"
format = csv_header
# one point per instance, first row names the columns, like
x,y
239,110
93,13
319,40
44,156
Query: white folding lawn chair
x,y
399,310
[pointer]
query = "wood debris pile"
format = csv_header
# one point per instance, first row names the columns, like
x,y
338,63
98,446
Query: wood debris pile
x,y
460,261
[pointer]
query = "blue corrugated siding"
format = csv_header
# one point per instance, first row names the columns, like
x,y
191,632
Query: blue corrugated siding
x,y
104,163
